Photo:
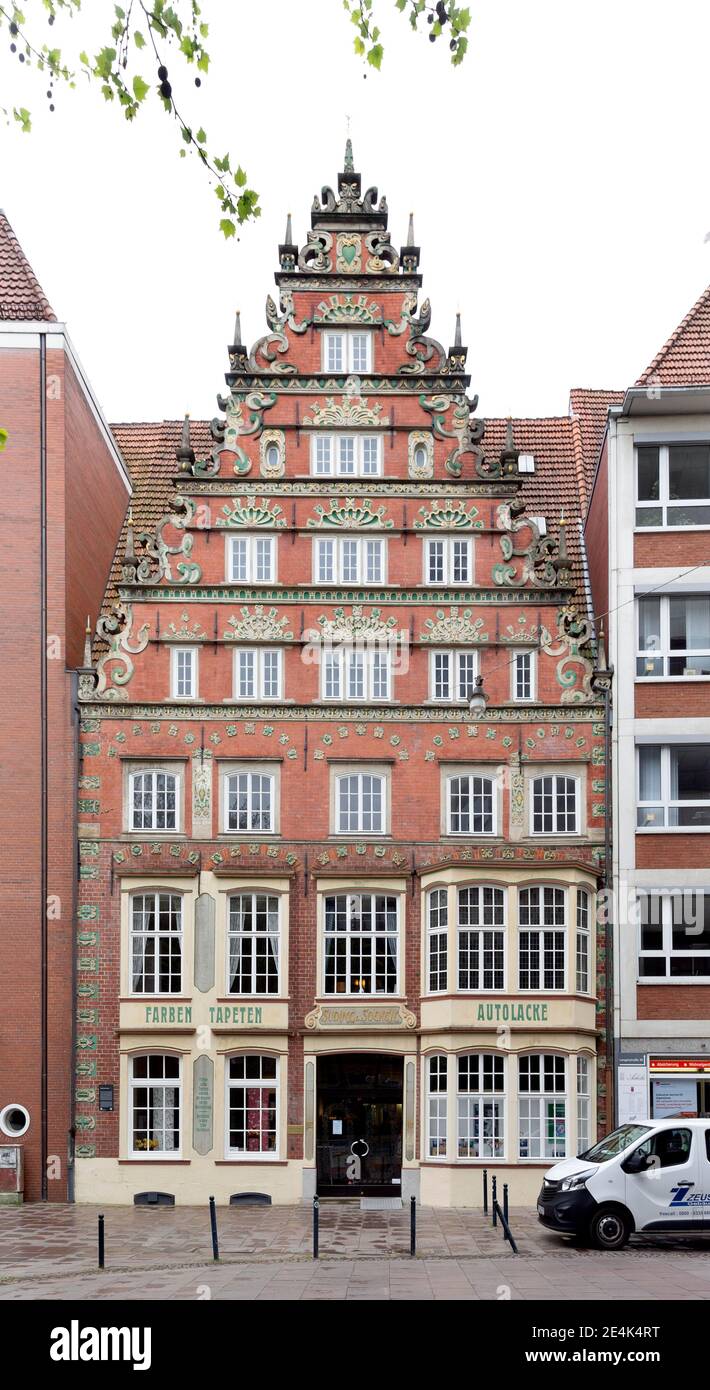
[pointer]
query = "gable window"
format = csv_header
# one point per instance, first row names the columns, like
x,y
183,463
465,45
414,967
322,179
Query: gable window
x,y
183,673
674,931
250,801
155,1105
346,455
470,806
153,800
437,938
555,806
350,560
674,787
257,673
582,953
673,635
253,944
437,1089
481,1106
347,351
481,938
542,1106
251,559
523,676
452,675
252,1106
361,944
542,922
156,943
448,560
673,485
356,673
360,803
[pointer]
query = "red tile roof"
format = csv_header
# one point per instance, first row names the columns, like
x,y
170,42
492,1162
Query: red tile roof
x,y
685,359
588,408
21,295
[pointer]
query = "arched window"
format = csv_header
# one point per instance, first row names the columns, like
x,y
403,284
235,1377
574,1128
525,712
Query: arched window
x,y
481,937
153,800
253,941
252,1106
156,943
481,1105
542,929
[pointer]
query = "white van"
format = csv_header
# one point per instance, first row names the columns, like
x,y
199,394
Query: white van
x,y
643,1177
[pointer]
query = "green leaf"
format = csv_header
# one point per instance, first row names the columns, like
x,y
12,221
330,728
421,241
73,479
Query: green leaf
x,y
22,116
359,46
3,438
375,55
140,88
227,227
138,39
201,137
203,62
240,177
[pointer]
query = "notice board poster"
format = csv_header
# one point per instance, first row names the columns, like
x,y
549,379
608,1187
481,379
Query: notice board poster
x,y
673,1099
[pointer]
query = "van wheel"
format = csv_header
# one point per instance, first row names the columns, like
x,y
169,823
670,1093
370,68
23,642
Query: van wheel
x,y
609,1229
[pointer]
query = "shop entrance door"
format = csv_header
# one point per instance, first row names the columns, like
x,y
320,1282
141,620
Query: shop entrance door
x,y
359,1146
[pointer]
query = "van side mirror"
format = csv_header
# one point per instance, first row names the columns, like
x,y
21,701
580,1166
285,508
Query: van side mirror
x,y
637,1162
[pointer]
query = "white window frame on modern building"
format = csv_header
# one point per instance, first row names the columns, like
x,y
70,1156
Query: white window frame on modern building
x,y
184,673
450,682
485,953
654,651
583,942
663,511
168,942
480,1108
254,950
437,939
532,954
346,454
259,1083
538,1099
474,776
437,1106
667,904
370,789
266,771
547,815
523,672
257,546
340,667
345,962
259,659
349,560
163,815
656,813
442,560
346,351
584,1102
149,1084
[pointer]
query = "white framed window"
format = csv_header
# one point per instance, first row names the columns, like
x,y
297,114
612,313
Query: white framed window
x,y
153,800
346,455
183,673
437,939
673,635
258,673
360,803
250,801
452,675
481,938
252,1106
554,805
471,805
672,485
251,559
361,943
583,942
155,1104
542,1106
349,560
481,1106
448,560
673,787
584,1104
437,1104
674,935
522,668
542,933
348,350
356,673
156,943
253,942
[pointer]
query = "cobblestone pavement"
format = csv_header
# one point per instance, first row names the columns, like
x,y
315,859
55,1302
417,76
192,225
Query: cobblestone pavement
x,y
265,1253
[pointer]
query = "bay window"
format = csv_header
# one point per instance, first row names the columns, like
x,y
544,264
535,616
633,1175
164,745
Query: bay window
x,y
542,928
154,1105
673,485
437,1103
361,943
156,943
673,787
673,635
542,1106
437,939
481,1106
481,938
253,944
252,1106
349,560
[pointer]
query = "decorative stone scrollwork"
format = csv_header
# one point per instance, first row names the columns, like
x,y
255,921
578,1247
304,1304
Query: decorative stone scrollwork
x,y
348,252
258,624
383,257
185,633
227,432
458,625
151,563
348,626
348,308
467,430
115,667
352,410
252,513
350,515
540,558
421,454
275,342
449,516
315,254
575,669
419,347
272,454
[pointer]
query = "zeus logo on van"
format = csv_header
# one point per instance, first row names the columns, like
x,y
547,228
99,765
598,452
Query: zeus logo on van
x,y
682,1199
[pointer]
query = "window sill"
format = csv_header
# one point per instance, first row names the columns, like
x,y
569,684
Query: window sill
x,y
662,530
671,680
247,1159
155,1158
673,980
146,836
673,829
226,836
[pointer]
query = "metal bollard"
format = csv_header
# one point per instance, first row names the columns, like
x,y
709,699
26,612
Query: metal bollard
x,y
485,1191
494,1198
213,1224
505,1200
412,1226
316,1209
101,1242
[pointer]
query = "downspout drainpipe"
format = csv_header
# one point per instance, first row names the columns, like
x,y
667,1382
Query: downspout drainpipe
x,y
609,886
44,1008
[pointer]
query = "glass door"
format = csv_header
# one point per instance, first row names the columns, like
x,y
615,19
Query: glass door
x,y
359,1149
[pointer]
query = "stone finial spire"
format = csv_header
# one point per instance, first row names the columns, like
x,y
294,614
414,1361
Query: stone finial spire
x,y
348,162
457,331
237,339
288,251
409,254
87,643
185,454
410,230
457,353
129,554
509,454
288,239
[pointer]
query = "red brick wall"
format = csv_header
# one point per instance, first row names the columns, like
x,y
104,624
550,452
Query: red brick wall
x,y
673,1001
665,701
673,851
681,548
596,536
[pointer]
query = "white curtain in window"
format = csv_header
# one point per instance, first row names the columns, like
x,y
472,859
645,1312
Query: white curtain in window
x,y
649,774
697,623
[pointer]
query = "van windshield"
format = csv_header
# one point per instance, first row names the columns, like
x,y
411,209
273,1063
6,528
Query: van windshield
x,y
615,1143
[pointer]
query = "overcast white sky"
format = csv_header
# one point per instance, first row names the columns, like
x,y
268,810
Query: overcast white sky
x,y
559,181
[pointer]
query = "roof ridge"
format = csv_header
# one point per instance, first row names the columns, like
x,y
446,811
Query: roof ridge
x,y
21,295
675,337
